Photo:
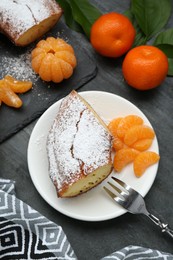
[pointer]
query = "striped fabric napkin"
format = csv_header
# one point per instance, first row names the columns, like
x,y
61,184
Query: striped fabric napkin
x,y
26,234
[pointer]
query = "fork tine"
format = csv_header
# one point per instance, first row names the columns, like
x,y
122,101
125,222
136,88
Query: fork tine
x,y
118,199
119,181
120,192
109,192
124,185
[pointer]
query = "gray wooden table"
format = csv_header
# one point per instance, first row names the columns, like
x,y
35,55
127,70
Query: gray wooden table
x,y
93,240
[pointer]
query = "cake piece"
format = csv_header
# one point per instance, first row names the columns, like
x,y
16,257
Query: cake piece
x,y
24,21
78,148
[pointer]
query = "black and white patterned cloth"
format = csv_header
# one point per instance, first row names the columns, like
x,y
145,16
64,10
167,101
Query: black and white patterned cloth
x,y
27,235
138,253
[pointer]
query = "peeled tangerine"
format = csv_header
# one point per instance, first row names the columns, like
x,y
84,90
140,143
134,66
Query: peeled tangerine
x,y
53,59
131,139
143,161
9,86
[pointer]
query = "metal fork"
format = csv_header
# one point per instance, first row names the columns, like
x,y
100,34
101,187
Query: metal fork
x,y
133,202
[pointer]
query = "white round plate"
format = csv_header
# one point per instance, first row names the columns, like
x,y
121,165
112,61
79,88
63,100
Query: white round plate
x,y
95,205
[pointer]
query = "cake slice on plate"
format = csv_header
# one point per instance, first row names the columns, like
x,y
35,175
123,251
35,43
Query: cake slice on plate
x,y
78,148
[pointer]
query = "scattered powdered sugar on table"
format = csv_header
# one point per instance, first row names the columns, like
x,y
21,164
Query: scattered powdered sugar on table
x,y
18,67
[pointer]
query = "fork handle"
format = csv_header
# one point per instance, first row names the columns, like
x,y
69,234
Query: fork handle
x,y
164,227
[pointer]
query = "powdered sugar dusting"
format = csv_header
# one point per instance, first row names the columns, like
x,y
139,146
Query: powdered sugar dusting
x,y
77,142
60,141
91,144
19,67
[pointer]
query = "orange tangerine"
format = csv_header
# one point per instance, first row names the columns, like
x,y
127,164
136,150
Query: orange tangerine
x,y
138,132
8,96
143,161
126,123
143,144
16,85
123,157
112,35
145,67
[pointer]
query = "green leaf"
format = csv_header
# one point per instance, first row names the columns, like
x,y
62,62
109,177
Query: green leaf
x,y
68,15
84,14
164,41
151,16
170,70
140,38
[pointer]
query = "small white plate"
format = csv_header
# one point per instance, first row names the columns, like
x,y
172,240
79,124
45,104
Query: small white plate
x,y
95,205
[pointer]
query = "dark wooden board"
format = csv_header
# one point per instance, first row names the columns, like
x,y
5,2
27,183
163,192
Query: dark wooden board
x,y
16,61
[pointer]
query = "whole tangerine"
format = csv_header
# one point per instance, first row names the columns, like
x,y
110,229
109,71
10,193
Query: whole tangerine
x,y
112,35
145,67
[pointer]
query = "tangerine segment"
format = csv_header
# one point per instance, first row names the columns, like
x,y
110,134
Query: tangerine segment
x,y
143,144
68,57
113,125
126,123
16,85
138,132
45,71
44,45
123,157
37,60
143,161
117,143
8,96
58,44
36,52
66,68
56,71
